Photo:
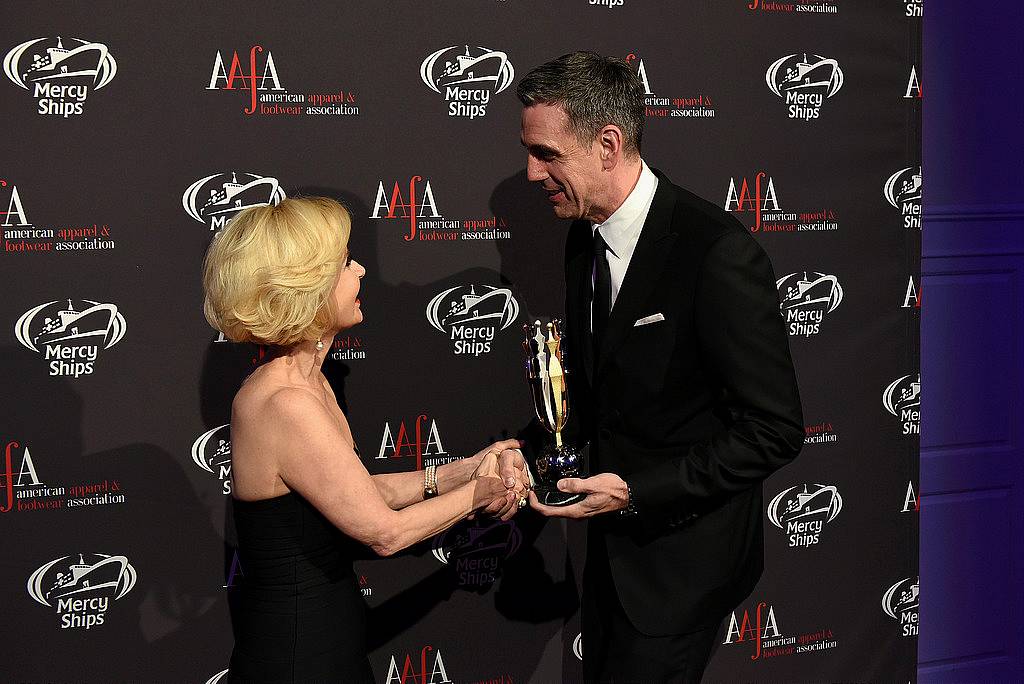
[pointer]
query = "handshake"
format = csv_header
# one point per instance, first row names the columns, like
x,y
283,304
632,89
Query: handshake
x,y
501,480
503,486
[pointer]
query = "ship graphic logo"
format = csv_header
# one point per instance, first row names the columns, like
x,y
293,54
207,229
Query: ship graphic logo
x,y
902,394
466,67
93,575
805,502
902,597
87,322
59,60
215,199
903,186
809,290
804,73
478,540
212,451
472,305
215,679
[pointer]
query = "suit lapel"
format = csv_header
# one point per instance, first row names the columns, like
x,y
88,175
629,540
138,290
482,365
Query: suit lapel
x,y
578,272
649,259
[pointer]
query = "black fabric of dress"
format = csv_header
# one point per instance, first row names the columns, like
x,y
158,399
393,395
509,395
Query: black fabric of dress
x,y
298,615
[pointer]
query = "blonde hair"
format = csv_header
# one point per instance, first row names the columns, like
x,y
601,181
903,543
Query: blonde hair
x,y
269,274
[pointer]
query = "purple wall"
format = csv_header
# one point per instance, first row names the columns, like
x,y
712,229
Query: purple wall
x,y
972,372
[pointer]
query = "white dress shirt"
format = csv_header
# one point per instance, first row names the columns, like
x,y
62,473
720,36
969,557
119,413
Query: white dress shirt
x,y
621,230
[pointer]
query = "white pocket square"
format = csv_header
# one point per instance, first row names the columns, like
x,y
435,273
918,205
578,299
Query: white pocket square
x,y
646,320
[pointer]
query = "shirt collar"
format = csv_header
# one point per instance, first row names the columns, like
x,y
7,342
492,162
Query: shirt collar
x,y
622,229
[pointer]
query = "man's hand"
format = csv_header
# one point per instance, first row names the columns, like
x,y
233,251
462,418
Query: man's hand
x,y
605,493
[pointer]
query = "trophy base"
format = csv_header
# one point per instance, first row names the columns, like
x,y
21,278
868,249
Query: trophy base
x,y
550,496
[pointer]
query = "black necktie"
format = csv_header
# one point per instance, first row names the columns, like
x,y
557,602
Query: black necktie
x,y
602,302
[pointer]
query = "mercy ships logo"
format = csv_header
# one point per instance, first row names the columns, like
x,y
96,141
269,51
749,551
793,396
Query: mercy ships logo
x,y
804,83
803,514
903,191
902,398
82,592
472,320
60,76
477,550
900,602
806,298
70,337
467,78
212,452
215,199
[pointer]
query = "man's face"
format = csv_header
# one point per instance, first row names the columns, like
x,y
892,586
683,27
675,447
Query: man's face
x,y
569,173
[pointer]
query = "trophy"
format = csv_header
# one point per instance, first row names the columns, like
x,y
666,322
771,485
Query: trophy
x,y
547,377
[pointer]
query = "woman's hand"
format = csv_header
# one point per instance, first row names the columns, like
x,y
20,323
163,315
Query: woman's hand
x,y
487,486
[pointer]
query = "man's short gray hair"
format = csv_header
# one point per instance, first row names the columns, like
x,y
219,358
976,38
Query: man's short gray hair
x,y
594,91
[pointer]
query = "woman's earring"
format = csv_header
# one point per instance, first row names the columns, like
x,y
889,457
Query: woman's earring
x,y
319,345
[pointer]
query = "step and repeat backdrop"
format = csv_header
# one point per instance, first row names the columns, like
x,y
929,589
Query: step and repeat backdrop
x,y
132,133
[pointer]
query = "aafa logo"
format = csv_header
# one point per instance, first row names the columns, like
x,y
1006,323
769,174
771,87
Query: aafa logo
x,y
215,199
759,199
806,298
743,201
476,550
913,85
20,235
912,297
467,77
422,443
58,76
15,209
408,674
212,452
26,474
70,338
418,209
910,501
903,191
395,206
235,78
471,319
900,602
655,107
803,511
762,631
902,398
804,83
81,592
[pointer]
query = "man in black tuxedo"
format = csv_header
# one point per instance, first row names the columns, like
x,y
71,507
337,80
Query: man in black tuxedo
x,y
682,381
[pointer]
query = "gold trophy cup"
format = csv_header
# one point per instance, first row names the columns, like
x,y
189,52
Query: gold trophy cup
x,y
547,377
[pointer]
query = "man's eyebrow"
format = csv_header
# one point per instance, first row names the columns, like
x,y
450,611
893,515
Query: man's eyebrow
x,y
540,147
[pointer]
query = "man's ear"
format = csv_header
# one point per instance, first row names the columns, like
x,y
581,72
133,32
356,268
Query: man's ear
x,y
610,143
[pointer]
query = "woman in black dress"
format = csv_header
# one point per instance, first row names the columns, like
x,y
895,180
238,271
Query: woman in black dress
x,y
283,276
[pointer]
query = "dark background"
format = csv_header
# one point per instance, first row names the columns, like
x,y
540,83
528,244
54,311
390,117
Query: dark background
x,y
155,129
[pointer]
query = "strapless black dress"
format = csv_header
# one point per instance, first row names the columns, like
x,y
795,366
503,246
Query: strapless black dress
x,y
298,615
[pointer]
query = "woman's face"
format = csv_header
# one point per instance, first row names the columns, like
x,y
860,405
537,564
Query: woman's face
x,y
346,293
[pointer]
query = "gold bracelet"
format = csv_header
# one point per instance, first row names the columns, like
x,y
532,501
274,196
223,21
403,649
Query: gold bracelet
x,y
430,482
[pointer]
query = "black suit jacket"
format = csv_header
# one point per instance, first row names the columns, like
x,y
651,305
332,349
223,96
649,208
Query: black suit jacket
x,y
694,411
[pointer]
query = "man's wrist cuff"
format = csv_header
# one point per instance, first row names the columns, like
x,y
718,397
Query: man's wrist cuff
x,y
630,509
